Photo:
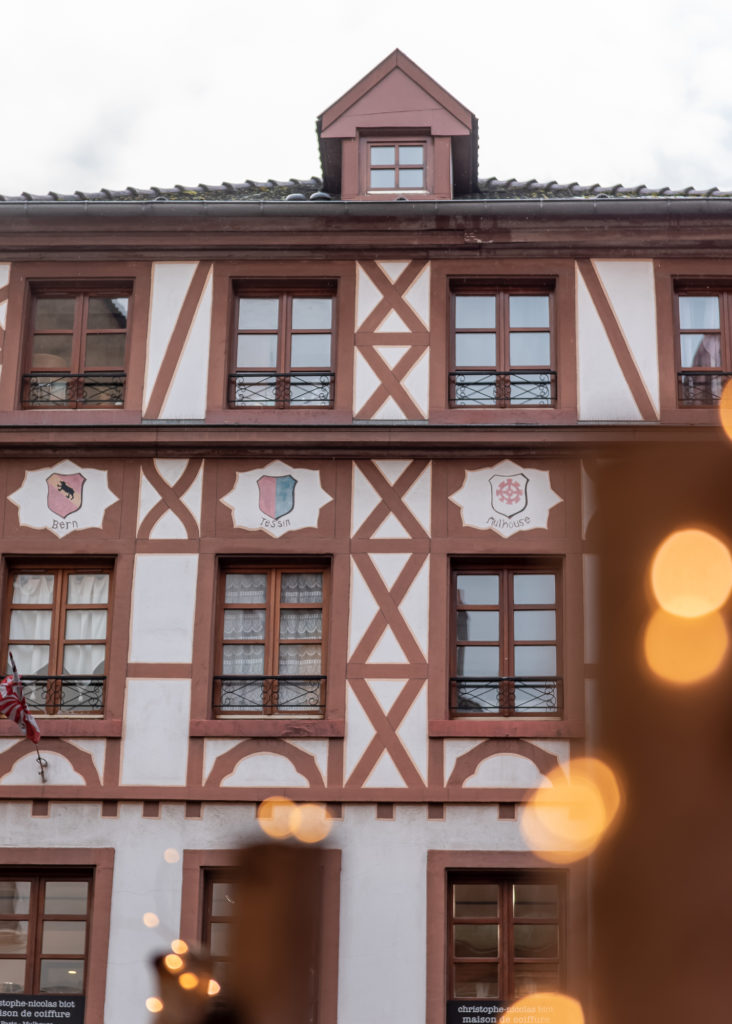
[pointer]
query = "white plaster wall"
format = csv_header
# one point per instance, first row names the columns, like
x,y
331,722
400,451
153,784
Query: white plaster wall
x,y
155,732
163,607
170,282
186,399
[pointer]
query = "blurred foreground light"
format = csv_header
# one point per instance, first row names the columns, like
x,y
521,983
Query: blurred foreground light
x,y
275,816
566,819
691,573
171,855
179,946
173,962
150,920
725,409
188,980
154,1004
684,651
547,1007
310,823
213,987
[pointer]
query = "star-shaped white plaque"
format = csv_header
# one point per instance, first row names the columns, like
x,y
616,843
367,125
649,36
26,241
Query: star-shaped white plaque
x,y
506,498
276,499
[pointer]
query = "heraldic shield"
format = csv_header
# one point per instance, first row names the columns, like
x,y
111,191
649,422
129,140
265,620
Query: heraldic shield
x,y
64,493
509,494
276,495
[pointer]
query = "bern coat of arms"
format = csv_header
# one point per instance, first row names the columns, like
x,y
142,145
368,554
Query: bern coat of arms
x,y
276,495
509,494
65,493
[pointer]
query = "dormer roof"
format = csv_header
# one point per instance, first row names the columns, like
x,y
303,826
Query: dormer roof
x,y
398,94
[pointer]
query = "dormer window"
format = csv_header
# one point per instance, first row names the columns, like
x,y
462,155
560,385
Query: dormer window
x,y
399,166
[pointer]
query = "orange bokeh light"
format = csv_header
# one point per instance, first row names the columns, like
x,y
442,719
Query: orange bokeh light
x,y
691,573
547,1007
188,980
275,816
725,409
179,946
566,819
310,823
684,651
154,1004
173,962
213,987
150,920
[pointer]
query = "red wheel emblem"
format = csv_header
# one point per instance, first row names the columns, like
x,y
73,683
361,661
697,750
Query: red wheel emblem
x,y
509,491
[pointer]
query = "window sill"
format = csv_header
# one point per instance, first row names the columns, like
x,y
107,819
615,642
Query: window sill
x,y
466,728
71,726
281,727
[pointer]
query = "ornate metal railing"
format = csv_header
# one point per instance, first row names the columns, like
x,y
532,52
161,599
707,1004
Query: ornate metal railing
x,y
701,387
281,390
269,695
72,390
502,389
506,695
53,695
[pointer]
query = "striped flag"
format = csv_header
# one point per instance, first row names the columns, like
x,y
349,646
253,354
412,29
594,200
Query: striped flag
x,y
13,706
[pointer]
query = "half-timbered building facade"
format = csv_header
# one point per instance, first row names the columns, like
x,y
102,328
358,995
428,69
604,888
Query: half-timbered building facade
x,y
297,500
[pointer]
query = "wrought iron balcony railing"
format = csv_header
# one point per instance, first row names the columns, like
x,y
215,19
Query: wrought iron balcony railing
x,y
67,695
281,390
501,389
701,387
506,695
73,390
269,695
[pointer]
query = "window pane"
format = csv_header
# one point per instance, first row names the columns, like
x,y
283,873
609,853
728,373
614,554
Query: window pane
x,y
62,976
528,310
476,981
701,350
310,350
32,589
54,314
476,940
84,660
477,589
534,588
66,898
89,624
534,626
219,941
535,901
66,938
475,311
222,899
107,314
311,314
301,625
12,975
530,349
30,661
246,588
411,155
478,349
105,350
411,178
300,660
535,661
89,589
478,662
244,624
697,312
30,625
14,897
51,352
475,900
528,978
257,350
13,937
478,625
301,588
383,179
381,155
535,940
258,314
243,660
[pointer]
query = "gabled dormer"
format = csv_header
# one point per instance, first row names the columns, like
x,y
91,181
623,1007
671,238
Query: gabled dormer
x,y
397,133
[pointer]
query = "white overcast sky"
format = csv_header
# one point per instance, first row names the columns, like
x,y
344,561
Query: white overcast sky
x,y
154,92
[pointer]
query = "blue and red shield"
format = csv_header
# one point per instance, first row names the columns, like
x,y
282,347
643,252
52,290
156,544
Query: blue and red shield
x,y
276,495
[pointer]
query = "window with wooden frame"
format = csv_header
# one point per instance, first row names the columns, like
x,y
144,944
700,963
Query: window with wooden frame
x,y
704,348
506,934
396,166
218,909
57,627
284,346
44,931
506,651
502,345
273,641
76,347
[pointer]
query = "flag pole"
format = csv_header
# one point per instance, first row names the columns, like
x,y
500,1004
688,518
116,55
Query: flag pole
x,y
42,762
